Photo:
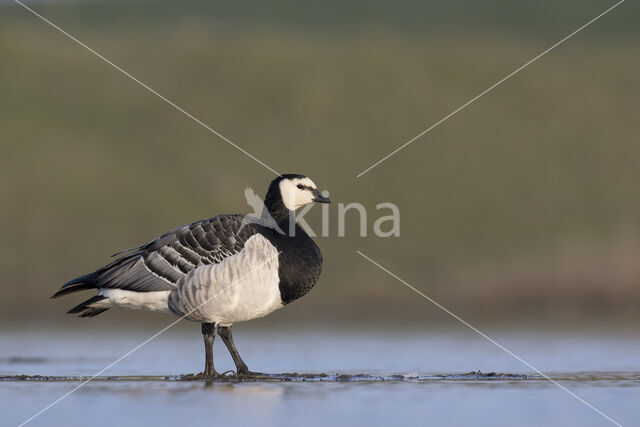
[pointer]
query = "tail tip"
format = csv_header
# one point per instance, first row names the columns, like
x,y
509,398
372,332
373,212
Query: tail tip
x,y
84,309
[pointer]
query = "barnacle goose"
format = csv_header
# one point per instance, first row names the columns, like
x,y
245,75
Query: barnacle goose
x,y
218,271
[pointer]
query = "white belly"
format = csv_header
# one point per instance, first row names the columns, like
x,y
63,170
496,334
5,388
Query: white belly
x,y
242,287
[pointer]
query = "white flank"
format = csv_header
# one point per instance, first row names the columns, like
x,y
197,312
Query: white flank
x,y
255,293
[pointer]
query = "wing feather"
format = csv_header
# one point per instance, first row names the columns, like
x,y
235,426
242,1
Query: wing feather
x,y
161,263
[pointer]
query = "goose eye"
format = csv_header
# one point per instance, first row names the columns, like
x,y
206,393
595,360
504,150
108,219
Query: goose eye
x,y
300,186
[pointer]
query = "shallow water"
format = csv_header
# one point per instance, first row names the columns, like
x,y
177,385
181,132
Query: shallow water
x,y
352,377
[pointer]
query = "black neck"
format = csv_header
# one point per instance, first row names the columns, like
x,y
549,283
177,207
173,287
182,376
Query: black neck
x,y
300,260
275,207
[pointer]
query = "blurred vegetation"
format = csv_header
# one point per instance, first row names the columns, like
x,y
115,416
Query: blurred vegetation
x,y
522,207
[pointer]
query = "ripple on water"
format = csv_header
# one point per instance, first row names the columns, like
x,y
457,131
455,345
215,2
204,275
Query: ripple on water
x,y
289,377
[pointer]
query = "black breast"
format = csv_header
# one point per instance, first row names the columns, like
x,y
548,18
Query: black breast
x,y
299,263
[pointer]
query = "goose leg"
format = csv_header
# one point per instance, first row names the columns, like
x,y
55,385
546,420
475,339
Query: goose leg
x,y
241,367
209,334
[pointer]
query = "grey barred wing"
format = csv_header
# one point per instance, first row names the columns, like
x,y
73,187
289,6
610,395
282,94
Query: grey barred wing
x,y
161,263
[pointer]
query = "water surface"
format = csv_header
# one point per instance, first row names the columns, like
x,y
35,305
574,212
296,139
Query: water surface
x,y
352,377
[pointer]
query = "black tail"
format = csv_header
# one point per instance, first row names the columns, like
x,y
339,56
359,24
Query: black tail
x,y
85,310
81,283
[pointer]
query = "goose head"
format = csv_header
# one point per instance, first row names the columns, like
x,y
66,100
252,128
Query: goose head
x,y
292,191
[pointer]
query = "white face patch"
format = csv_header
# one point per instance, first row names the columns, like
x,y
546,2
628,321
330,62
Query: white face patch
x,y
294,197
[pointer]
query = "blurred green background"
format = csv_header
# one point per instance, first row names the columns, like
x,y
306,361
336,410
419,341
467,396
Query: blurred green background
x,y
523,207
